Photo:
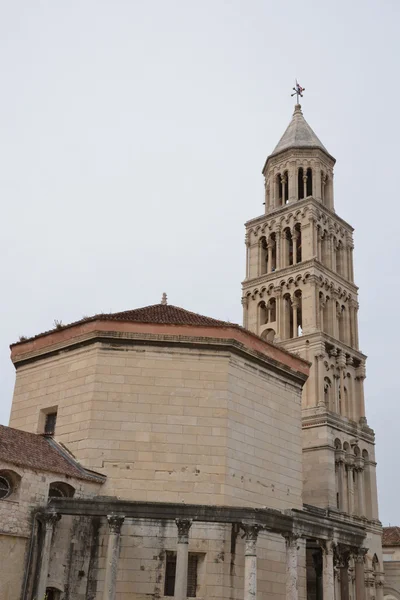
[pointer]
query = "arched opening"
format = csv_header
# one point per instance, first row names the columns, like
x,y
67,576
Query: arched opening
x,y
338,444
367,485
9,483
262,314
287,258
328,393
341,312
60,489
286,188
280,190
300,182
297,315
263,256
271,310
296,244
309,190
287,317
325,248
272,243
327,320
52,593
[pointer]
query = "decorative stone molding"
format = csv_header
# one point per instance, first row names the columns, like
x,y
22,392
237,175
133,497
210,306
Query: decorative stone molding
x,y
115,523
183,526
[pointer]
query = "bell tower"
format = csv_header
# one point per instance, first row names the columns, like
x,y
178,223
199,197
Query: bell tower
x,y
299,292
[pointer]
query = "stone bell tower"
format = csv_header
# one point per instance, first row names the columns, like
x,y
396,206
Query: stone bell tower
x,y
299,292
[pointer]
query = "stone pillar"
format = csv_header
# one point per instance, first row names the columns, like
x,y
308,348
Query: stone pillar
x,y
284,184
360,486
344,578
360,376
317,182
250,561
114,540
269,263
291,567
328,581
48,521
305,185
279,308
339,458
295,306
278,247
356,325
295,236
245,302
275,190
379,587
323,189
247,244
295,182
359,573
182,558
350,484
341,363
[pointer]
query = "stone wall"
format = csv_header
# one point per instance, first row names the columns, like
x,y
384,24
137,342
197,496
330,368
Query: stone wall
x,y
172,424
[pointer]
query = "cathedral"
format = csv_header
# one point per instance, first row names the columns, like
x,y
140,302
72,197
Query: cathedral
x,y
160,453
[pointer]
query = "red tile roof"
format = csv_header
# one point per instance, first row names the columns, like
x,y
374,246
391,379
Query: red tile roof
x,y
40,453
391,536
164,314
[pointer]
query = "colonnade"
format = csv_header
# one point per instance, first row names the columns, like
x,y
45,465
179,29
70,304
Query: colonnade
x,y
296,182
338,317
353,482
279,250
283,312
334,253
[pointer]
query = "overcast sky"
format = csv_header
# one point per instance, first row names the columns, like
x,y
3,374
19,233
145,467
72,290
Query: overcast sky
x,y
132,137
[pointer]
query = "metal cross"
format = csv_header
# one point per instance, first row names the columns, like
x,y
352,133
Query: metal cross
x,y
298,91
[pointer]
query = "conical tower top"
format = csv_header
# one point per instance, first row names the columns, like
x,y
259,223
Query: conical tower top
x,y
298,134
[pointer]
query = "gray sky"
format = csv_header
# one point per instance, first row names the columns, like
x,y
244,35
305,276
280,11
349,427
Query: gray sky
x,y
132,137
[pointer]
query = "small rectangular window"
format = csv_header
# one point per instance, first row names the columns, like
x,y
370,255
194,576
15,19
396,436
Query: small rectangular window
x,y
170,574
170,571
50,423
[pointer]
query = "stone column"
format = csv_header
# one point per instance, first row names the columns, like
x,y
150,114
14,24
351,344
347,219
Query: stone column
x,y
359,573
247,244
350,486
245,303
305,185
317,182
323,188
379,587
360,376
291,567
328,580
360,486
275,190
114,541
295,306
284,184
295,236
278,247
250,561
48,521
339,458
269,261
344,577
182,558
279,308
341,363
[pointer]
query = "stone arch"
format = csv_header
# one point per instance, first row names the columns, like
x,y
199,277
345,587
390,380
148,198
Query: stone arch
x,y
60,489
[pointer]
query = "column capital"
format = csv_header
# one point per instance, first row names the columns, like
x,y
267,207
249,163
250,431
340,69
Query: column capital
x,y
115,523
327,546
183,526
251,531
49,519
358,554
245,300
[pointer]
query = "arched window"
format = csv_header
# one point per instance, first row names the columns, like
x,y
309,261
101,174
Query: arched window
x,y
9,483
300,183
287,320
271,309
268,335
297,314
280,190
60,489
52,593
272,242
328,393
341,312
309,190
338,444
263,256
296,244
286,187
287,258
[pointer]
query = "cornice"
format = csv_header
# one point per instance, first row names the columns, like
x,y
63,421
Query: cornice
x,y
312,262
328,419
122,340
315,339
298,204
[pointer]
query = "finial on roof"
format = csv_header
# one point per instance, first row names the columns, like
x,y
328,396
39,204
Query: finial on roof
x,y
164,299
298,91
297,109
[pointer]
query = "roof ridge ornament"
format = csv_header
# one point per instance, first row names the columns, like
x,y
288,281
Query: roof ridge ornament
x,y
298,91
164,300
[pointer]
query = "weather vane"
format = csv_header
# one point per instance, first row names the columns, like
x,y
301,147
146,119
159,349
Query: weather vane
x,y
298,91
